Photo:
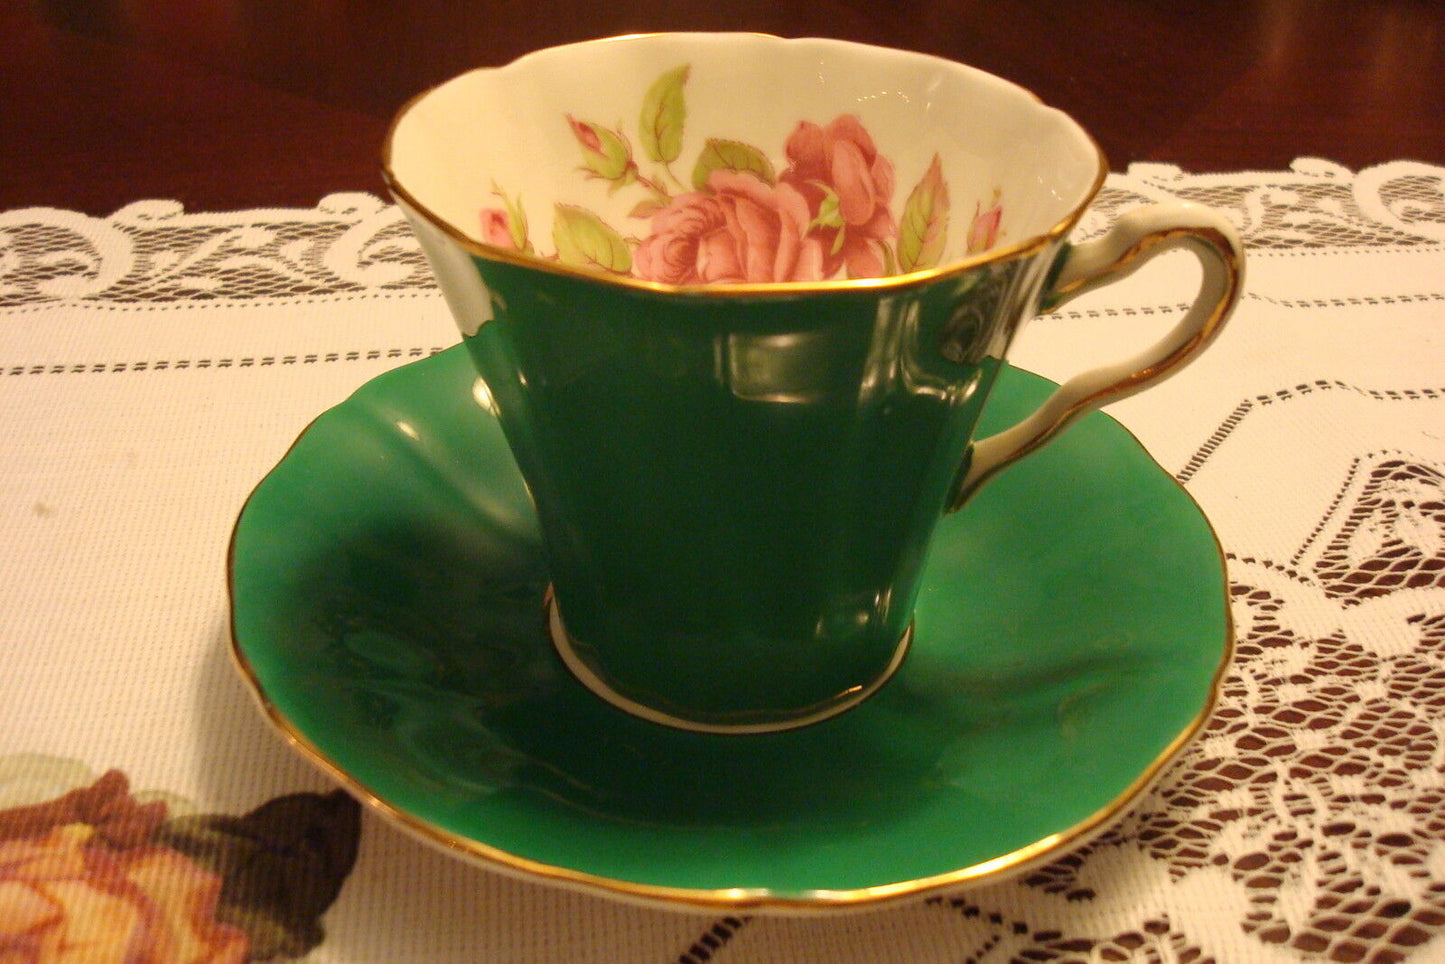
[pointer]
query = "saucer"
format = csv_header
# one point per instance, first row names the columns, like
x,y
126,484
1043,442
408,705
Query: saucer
x,y
387,584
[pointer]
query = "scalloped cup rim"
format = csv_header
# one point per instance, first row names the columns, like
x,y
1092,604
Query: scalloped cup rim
x,y
407,198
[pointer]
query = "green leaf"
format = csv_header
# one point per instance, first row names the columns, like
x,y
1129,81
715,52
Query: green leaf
x,y
281,865
890,263
722,155
585,241
517,223
923,231
629,176
664,113
830,209
647,208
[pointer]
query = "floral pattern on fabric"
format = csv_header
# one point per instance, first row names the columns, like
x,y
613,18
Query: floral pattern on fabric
x,y
98,874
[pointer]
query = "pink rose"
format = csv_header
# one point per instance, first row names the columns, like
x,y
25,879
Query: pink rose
x,y
740,230
841,159
497,228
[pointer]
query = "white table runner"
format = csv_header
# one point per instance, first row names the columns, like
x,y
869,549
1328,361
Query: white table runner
x,y
156,363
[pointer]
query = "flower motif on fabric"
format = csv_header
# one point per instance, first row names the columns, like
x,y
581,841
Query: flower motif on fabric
x,y
97,874
829,213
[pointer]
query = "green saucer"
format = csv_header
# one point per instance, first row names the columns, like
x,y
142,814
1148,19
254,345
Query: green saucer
x,y
387,585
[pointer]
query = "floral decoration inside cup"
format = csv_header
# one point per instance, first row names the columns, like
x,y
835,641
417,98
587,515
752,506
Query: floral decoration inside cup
x,y
731,158
830,209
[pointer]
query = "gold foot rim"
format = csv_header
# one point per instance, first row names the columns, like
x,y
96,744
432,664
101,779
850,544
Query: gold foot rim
x,y
566,648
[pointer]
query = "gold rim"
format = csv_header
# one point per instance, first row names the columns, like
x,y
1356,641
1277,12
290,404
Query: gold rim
x,y
480,249
757,899
751,724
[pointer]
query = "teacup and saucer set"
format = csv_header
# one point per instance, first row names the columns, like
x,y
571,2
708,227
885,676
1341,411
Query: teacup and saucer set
x,y
647,587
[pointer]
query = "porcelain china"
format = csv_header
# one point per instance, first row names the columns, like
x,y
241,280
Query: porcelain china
x,y
739,302
388,584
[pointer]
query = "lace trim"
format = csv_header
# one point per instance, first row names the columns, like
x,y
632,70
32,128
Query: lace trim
x,y
1228,426
1316,204
156,252
1306,822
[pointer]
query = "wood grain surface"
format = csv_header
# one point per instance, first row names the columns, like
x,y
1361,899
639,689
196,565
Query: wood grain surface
x,y
239,103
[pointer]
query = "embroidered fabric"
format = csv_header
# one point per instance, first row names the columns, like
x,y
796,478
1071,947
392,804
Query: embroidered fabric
x,y
154,251
1306,823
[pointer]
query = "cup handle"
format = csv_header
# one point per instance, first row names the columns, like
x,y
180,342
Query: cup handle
x,y
1135,238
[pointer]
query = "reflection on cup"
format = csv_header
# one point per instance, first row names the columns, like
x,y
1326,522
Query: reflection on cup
x,y
739,339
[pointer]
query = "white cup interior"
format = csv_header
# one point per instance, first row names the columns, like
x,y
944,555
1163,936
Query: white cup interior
x,y
501,139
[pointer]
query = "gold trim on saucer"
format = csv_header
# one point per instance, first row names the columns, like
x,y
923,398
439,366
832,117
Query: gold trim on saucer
x,y
739,899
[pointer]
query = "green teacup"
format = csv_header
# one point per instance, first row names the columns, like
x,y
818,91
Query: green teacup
x,y
737,302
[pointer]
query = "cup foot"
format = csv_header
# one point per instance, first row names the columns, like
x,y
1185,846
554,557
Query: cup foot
x,y
763,722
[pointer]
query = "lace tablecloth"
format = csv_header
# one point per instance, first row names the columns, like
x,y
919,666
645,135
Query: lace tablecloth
x,y
154,364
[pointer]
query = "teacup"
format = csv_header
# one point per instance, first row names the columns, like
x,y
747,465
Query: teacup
x,y
737,302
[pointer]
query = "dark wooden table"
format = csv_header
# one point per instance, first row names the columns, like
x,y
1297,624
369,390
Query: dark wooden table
x,y
239,103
